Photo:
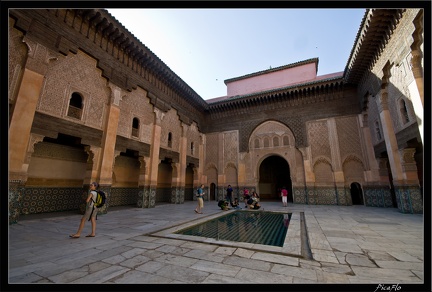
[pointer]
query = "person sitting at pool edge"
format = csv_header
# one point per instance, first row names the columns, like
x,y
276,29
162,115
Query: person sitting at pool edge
x,y
223,205
235,204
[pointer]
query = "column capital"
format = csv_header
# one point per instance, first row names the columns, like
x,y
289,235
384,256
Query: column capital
x,y
382,101
116,94
159,115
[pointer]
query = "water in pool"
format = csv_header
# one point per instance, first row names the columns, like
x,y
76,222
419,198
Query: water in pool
x,y
244,226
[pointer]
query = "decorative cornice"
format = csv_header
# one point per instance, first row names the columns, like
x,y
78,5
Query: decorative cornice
x,y
375,31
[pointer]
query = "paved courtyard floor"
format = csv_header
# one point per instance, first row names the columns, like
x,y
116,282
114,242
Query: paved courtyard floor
x,y
350,245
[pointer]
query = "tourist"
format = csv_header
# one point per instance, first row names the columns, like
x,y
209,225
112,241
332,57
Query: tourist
x,y
200,194
224,205
284,195
90,212
246,196
229,194
235,204
253,202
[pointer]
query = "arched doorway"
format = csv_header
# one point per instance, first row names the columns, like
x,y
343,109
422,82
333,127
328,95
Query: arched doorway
x,y
356,194
189,189
212,192
274,173
163,191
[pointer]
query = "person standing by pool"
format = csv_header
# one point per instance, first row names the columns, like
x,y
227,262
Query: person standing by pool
x,y
284,195
246,196
229,194
200,194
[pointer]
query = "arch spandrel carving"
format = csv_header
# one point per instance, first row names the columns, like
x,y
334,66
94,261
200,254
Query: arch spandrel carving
x,y
270,130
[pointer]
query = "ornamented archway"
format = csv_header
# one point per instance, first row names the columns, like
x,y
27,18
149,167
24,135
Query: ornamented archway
x,y
274,173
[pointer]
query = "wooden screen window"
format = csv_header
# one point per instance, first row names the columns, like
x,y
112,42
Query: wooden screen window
x,y
403,111
135,127
169,139
75,106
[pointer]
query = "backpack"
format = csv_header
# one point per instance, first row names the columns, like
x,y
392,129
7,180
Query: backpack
x,y
100,199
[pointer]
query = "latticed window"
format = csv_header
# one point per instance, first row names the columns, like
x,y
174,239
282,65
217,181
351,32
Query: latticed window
x,y
192,148
404,111
266,142
377,131
75,106
135,127
169,139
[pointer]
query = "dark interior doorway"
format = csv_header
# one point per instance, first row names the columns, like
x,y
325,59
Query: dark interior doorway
x,y
212,192
274,173
356,194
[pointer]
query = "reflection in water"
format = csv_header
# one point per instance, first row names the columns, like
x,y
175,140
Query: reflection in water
x,y
245,226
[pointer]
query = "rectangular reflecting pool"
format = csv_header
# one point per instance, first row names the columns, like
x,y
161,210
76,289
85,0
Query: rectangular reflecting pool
x,y
265,228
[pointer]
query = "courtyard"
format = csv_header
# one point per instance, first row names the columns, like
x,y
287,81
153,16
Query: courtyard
x,y
349,245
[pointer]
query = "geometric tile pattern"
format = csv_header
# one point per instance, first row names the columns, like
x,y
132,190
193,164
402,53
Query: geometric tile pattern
x,y
377,196
123,196
46,199
409,199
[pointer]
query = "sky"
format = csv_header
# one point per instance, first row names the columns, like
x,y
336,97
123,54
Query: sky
x,y
204,47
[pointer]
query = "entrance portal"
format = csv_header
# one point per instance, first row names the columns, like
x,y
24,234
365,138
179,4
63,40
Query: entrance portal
x,y
356,194
274,173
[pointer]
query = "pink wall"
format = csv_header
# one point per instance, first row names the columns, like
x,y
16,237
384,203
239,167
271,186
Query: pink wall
x,y
282,78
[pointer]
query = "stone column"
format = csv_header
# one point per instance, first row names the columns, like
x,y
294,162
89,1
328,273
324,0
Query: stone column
x,y
109,137
202,179
416,88
309,176
21,122
142,180
409,193
417,56
371,164
154,157
182,164
93,162
388,129
336,162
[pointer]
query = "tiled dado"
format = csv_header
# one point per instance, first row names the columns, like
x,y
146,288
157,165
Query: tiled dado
x,y
44,200
322,196
409,199
124,196
377,197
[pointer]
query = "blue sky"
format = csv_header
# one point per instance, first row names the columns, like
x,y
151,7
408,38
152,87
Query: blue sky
x,y
204,47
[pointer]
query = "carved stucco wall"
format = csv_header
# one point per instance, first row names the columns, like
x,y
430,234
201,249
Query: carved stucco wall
x,y
353,170
349,137
193,136
17,58
230,148
323,172
318,139
136,104
397,52
75,73
171,123
212,146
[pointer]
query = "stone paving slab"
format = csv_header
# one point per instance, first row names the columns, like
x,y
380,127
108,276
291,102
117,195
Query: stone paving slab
x,y
349,244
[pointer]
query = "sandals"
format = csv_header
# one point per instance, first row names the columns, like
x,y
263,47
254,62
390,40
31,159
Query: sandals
x,y
90,235
73,236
